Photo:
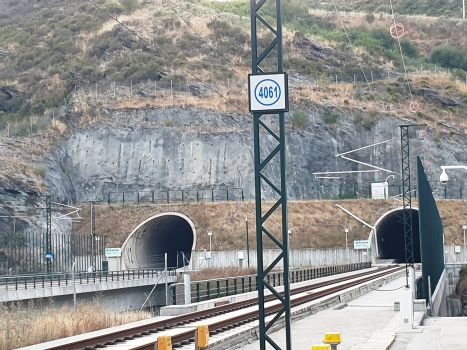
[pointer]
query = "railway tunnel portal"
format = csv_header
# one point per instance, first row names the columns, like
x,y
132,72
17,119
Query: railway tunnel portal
x,y
387,237
172,233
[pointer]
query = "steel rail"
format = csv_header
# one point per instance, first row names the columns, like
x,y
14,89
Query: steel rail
x,y
188,336
113,337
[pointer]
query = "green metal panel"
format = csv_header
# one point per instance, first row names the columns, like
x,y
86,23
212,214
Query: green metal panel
x,y
431,232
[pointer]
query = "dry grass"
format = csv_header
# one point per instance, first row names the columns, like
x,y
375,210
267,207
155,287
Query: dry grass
x,y
235,101
315,224
23,325
211,273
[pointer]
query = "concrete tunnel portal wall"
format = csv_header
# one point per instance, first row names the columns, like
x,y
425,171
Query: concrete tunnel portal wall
x,y
389,242
171,233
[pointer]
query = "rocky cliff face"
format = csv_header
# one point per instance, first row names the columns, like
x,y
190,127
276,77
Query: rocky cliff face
x,y
151,149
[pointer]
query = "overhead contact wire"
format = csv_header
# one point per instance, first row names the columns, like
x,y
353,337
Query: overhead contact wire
x,y
165,56
402,54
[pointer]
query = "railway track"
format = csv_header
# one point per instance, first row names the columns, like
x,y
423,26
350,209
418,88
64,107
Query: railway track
x,y
184,333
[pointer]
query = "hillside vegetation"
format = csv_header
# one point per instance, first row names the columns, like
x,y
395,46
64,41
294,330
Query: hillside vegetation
x,y
314,224
58,58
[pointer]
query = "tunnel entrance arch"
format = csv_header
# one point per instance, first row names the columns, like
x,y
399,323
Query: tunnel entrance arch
x,y
387,237
172,233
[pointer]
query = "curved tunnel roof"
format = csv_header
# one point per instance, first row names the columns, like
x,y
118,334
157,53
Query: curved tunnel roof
x,y
171,233
387,237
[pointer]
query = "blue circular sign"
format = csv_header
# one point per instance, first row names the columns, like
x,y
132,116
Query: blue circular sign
x,y
267,92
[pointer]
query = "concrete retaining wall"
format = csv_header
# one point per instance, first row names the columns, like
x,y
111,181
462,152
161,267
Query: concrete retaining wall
x,y
298,257
437,296
116,295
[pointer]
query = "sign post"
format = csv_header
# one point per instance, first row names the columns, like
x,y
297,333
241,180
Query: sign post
x,y
113,252
268,92
361,244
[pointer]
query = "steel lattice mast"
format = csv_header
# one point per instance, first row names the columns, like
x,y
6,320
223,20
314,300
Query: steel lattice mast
x,y
261,179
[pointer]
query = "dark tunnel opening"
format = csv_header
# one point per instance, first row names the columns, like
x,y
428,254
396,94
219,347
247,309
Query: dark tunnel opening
x,y
390,237
172,235
166,233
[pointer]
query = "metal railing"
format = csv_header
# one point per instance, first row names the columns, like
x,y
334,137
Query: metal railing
x,y
221,287
176,196
65,279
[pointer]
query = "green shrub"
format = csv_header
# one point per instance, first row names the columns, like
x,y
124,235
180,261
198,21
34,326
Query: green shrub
x,y
168,122
436,137
129,5
409,49
370,18
300,119
346,102
463,273
40,172
358,118
330,118
449,57
372,112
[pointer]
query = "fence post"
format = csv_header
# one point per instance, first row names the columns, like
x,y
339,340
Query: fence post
x,y
152,197
227,195
212,195
445,192
243,198
108,198
137,193
123,193
197,196
183,198
167,196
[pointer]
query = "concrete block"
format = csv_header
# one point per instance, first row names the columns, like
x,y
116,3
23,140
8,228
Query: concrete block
x,y
419,305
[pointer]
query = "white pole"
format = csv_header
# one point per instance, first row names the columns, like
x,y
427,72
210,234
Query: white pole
x,y
74,285
210,248
186,282
346,244
228,83
463,9
412,280
465,228
346,247
166,286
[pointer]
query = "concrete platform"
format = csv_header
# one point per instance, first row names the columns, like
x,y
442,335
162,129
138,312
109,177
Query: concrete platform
x,y
368,323
371,323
